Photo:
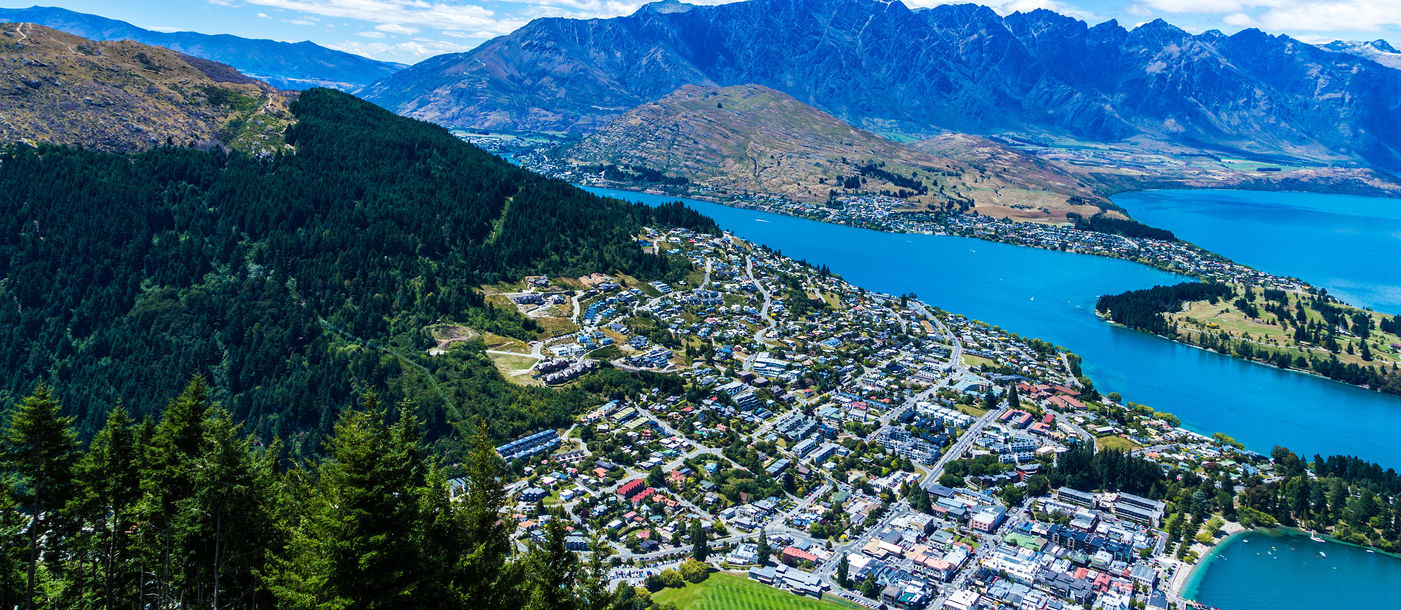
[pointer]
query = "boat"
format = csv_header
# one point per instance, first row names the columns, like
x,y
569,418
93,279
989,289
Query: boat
x,y
1322,554
1314,537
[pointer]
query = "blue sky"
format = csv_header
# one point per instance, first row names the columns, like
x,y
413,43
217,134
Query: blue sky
x,y
411,30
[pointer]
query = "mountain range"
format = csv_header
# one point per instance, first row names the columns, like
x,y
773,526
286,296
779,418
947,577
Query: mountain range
x,y
284,65
952,68
58,88
1379,51
752,139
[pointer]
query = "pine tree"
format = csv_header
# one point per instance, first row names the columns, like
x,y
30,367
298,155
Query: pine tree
x,y
167,479
552,570
764,550
359,543
488,578
700,549
228,520
843,569
41,451
109,478
593,580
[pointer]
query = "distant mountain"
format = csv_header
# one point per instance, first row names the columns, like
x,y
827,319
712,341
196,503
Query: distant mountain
x,y
961,68
284,65
754,139
124,96
1379,51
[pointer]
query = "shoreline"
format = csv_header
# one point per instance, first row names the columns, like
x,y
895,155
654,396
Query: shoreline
x,y
941,230
1232,356
1199,278
1191,583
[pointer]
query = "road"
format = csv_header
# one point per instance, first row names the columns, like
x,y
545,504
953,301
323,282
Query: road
x,y
964,443
777,525
1070,426
770,323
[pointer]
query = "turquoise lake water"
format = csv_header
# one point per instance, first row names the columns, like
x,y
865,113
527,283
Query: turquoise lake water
x,y
1349,245
1051,295
1284,570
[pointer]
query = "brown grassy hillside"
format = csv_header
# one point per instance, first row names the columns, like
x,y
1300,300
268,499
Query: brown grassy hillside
x,y
124,96
755,139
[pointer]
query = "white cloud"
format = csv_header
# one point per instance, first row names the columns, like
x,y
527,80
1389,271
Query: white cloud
x,y
413,49
395,28
408,13
1240,20
262,15
370,34
1336,16
1290,15
1198,6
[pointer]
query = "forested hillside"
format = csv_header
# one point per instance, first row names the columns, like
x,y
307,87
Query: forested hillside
x,y
296,281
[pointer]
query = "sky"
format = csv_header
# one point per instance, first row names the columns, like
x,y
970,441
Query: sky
x,y
408,31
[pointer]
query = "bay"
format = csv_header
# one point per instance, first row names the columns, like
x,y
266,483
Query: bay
x,y
1284,569
1347,244
1051,295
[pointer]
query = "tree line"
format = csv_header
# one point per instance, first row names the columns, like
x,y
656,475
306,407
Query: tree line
x,y
1354,500
1350,498
1119,226
1144,309
184,509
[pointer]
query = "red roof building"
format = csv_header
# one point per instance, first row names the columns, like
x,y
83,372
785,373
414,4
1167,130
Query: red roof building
x,y
794,554
643,495
631,487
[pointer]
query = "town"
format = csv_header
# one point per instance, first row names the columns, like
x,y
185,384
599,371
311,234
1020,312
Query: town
x,y
836,442
886,213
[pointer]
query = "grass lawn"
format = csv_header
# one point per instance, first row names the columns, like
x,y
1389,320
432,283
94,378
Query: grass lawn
x,y
971,410
554,327
724,591
977,361
511,363
1202,316
1118,443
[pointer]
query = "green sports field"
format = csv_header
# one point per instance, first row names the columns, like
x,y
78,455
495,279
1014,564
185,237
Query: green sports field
x,y
724,591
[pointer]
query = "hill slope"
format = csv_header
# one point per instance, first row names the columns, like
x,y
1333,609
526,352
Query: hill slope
x,y
124,96
284,65
296,282
755,139
961,68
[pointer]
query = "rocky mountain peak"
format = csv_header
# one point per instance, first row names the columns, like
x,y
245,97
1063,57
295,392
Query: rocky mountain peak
x,y
961,67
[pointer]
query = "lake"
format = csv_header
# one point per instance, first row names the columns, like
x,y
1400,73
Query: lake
x,y
1346,244
1051,295
1283,569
